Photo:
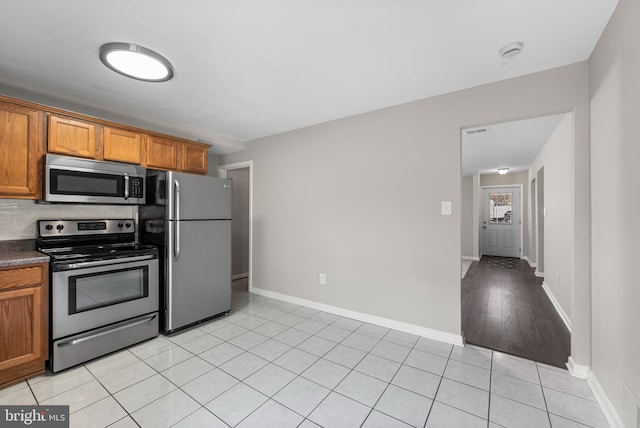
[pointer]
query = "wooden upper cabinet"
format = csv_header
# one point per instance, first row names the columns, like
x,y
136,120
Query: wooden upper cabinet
x,y
73,137
162,153
195,158
121,145
21,147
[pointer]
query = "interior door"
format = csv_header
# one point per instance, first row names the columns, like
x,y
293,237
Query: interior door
x,y
501,221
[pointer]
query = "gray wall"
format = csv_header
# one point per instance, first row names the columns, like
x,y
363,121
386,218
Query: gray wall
x,y
240,223
326,199
557,249
213,165
615,152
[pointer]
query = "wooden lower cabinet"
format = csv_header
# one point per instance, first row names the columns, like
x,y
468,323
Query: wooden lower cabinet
x,y
24,323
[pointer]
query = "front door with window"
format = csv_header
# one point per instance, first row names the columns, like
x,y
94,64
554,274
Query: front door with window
x,y
501,221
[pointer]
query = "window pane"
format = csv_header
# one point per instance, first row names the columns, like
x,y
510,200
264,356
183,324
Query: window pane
x,y
500,208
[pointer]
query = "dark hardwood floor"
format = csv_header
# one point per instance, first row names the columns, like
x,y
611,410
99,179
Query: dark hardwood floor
x,y
507,310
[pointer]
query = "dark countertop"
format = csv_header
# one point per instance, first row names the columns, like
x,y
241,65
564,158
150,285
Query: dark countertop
x,y
22,252
17,258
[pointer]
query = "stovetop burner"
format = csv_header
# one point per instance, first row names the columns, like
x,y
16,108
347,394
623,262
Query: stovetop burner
x,y
89,240
99,252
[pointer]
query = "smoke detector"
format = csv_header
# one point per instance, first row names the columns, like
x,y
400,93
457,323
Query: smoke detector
x,y
511,50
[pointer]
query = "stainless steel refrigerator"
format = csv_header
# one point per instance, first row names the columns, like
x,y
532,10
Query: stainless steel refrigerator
x,y
189,218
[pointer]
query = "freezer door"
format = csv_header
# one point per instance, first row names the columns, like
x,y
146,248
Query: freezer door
x,y
197,197
198,281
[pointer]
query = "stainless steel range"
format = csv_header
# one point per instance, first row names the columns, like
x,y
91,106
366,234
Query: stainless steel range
x,y
104,288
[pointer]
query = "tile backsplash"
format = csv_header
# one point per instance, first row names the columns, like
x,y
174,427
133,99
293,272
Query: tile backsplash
x,y
18,218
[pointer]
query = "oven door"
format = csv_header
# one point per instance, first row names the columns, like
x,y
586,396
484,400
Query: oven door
x,y
95,294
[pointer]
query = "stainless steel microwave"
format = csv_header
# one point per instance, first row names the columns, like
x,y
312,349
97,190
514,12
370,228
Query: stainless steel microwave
x,y
69,179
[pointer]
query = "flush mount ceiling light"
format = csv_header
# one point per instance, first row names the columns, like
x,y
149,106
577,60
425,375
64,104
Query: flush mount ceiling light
x,y
511,50
503,171
136,62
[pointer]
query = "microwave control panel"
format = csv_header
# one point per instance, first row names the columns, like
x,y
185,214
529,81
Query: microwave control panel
x,y
135,187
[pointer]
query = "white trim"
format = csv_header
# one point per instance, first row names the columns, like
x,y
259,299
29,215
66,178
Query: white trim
x,y
603,400
519,186
475,259
556,304
222,172
531,264
577,370
538,273
240,276
584,372
454,339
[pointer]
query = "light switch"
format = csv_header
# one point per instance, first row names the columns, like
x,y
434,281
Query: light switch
x,y
446,207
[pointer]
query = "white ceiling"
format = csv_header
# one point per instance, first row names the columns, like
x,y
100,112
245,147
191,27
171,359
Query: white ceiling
x,y
251,68
512,145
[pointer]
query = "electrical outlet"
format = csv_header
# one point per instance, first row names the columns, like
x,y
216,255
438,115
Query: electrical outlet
x,y
323,278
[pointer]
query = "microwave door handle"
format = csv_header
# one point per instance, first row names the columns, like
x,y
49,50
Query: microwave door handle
x,y
126,186
176,223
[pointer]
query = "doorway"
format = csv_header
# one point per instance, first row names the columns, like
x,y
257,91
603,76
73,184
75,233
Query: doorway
x,y
504,304
242,225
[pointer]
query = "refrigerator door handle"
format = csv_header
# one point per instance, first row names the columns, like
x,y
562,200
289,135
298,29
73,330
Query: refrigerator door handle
x,y
176,223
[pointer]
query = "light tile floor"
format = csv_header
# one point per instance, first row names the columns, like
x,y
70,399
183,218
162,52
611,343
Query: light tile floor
x,y
275,364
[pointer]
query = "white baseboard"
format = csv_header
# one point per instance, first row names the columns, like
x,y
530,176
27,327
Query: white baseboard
x,y
475,259
577,370
556,304
584,372
539,274
240,276
454,339
531,264
609,411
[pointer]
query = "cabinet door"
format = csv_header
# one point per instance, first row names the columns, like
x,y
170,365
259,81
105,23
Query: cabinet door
x,y
121,145
195,158
21,147
72,137
21,326
162,153
23,322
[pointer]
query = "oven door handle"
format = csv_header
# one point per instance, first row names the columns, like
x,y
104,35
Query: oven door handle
x,y
105,332
68,266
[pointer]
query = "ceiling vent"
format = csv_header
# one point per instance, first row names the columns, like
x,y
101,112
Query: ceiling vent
x,y
511,50
475,131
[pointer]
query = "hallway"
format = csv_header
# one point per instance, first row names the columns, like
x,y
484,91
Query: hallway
x,y
505,308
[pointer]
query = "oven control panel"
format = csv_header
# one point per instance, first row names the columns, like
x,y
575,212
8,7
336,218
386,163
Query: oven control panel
x,y
85,227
